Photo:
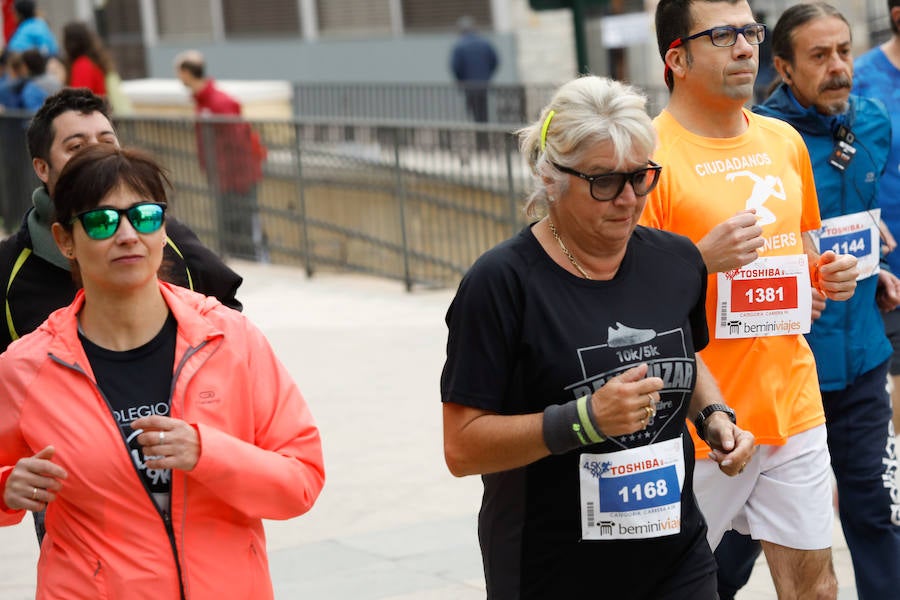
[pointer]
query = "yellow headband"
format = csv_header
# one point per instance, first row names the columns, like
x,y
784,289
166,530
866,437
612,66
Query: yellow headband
x,y
544,129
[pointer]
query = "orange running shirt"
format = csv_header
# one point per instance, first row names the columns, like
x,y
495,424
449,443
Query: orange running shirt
x,y
769,381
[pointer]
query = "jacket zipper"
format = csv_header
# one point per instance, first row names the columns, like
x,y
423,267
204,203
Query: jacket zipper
x,y
191,351
164,515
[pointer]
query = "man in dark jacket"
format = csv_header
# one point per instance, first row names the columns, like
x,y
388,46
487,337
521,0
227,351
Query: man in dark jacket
x,y
36,278
848,138
473,62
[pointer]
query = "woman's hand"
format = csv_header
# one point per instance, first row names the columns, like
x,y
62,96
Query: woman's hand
x,y
168,443
626,402
34,482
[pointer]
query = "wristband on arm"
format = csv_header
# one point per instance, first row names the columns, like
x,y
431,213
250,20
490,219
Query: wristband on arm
x,y
571,425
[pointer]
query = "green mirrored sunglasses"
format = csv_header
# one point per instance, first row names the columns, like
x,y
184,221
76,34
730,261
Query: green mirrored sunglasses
x,y
102,223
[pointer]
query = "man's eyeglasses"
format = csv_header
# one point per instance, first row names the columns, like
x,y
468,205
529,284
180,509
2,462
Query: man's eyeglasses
x,y
608,186
726,35
102,223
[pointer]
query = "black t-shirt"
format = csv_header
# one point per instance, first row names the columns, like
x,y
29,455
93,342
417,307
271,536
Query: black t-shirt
x,y
137,383
524,333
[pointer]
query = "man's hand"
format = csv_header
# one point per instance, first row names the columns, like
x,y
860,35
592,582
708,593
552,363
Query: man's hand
x,y
888,243
888,292
732,243
818,304
836,274
731,446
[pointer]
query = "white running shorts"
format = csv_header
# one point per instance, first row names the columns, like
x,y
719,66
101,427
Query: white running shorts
x,y
783,496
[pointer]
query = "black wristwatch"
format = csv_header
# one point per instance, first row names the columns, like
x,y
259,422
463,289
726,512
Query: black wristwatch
x,y
700,420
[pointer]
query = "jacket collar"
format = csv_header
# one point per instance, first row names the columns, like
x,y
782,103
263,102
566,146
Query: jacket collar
x,y
782,104
189,309
206,91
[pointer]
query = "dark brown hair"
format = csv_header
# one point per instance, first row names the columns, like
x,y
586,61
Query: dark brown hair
x,y
41,132
893,4
99,169
673,21
79,40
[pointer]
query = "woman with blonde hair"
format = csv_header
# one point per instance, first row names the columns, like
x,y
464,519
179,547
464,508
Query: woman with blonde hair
x,y
571,367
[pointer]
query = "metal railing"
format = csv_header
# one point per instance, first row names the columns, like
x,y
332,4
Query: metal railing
x,y
515,104
416,202
408,188
432,102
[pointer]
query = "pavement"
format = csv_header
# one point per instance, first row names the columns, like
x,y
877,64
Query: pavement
x,y
391,523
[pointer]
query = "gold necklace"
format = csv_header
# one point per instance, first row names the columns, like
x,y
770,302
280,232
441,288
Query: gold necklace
x,y
566,250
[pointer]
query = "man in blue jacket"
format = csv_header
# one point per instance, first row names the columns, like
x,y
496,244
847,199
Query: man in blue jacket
x,y
878,76
848,138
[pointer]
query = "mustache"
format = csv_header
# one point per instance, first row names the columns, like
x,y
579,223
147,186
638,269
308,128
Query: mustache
x,y
836,83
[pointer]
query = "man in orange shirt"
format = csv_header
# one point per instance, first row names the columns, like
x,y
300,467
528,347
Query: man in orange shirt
x,y
741,187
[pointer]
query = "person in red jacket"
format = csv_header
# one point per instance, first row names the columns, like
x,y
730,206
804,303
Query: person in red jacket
x,y
156,426
230,153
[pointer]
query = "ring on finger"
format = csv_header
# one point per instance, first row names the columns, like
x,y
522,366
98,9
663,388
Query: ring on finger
x,y
650,412
34,493
162,437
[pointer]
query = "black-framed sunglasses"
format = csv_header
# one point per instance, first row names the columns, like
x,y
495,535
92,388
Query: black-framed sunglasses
x,y
608,186
102,223
726,35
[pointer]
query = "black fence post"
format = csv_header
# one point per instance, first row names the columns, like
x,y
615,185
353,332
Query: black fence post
x,y
401,199
301,196
510,150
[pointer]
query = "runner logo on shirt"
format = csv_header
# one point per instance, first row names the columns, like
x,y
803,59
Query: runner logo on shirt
x,y
764,188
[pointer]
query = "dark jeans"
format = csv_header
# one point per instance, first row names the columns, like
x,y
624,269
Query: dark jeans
x,y
477,105
864,459
240,227
735,556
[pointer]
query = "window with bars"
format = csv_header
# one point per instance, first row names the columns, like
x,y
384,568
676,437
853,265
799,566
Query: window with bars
x,y
180,20
244,18
337,17
429,15
121,21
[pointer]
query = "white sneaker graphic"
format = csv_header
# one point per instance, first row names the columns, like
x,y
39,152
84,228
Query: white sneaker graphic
x,y
622,335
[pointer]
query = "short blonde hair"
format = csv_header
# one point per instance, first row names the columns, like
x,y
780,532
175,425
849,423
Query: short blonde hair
x,y
587,111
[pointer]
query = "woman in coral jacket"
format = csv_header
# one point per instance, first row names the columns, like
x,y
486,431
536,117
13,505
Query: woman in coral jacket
x,y
155,425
